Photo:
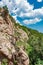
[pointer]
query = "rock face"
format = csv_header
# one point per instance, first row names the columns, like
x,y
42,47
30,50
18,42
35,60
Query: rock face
x,y
8,46
23,57
23,35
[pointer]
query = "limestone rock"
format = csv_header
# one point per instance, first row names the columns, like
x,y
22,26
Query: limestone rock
x,y
5,45
8,41
24,57
21,57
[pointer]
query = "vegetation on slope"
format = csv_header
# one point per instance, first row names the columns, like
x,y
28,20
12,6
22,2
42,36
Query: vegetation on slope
x,y
33,46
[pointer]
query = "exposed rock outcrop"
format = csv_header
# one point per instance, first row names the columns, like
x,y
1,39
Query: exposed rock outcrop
x,y
8,46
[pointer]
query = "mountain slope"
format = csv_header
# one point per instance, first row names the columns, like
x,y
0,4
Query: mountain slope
x,y
33,44
19,45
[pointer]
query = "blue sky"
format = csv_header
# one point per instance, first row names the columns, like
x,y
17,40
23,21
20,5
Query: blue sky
x,y
26,12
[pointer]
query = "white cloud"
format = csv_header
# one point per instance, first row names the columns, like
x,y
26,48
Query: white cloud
x,y
23,6
32,21
39,0
23,9
1,4
33,13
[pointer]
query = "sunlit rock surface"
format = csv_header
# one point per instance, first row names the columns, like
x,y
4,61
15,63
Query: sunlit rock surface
x,y
8,48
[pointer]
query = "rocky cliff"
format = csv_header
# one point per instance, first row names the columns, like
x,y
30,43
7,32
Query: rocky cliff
x,y
10,53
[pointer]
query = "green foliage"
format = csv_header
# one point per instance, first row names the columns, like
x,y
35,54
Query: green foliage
x,y
15,62
37,52
6,9
39,62
4,62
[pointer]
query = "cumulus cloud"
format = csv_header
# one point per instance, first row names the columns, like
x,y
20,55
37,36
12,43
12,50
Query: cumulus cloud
x,y
1,3
23,9
33,13
23,6
39,0
32,21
